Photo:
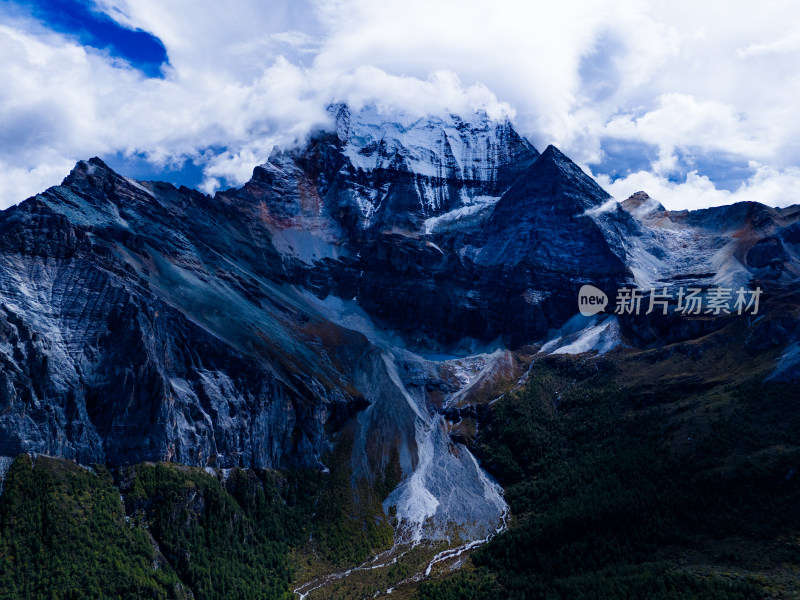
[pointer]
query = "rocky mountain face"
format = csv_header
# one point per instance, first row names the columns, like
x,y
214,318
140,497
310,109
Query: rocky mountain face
x,y
128,336
744,245
140,322
440,254
749,238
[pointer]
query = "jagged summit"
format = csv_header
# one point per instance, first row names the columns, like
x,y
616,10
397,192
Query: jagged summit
x,y
84,168
379,171
553,183
641,205
468,147
95,161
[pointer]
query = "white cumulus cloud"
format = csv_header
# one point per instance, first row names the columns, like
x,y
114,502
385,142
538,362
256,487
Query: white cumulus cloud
x,y
244,75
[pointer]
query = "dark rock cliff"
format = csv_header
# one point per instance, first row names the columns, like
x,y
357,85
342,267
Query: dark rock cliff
x,y
143,322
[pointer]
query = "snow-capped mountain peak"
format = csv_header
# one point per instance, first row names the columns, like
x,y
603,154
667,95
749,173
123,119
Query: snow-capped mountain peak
x,y
469,147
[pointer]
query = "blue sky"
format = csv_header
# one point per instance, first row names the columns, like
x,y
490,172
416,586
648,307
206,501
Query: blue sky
x,y
693,102
92,28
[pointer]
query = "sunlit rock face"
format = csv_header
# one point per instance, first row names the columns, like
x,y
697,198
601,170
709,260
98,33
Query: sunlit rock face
x,y
143,322
140,322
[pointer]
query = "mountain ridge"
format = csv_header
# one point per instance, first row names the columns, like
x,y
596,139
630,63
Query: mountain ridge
x,y
261,327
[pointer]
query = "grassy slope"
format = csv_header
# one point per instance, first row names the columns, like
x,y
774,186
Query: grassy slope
x,y
652,474
179,531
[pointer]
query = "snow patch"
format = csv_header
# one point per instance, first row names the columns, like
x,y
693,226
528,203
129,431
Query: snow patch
x,y
469,148
788,367
472,207
140,187
600,335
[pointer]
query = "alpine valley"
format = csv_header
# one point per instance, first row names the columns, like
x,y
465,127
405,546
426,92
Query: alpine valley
x,y
365,373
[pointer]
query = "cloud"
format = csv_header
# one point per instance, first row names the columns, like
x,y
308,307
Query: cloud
x,y
768,185
244,76
680,121
441,92
787,44
65,102
20,183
